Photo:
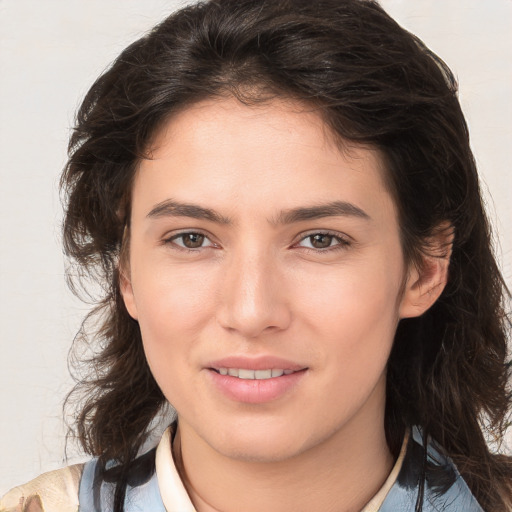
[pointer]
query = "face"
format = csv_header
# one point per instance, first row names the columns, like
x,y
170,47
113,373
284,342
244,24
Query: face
x,y
266,274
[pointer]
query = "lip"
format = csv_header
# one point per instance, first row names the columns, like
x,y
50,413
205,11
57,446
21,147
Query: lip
x,y
255,363
255,391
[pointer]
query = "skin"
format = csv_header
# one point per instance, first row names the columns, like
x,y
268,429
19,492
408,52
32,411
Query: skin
x,y
258,284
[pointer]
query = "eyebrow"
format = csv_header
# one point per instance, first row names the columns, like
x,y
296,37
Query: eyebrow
x,y
171,208
332,209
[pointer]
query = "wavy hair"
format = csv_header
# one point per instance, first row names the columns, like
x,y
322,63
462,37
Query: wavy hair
x,y
373,83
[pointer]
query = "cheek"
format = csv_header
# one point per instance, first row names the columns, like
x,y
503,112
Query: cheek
x,y
172,292
173,307
356,295
358,331
355,314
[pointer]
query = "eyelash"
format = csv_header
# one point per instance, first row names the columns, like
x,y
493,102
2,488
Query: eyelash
x,y
171,241
342,241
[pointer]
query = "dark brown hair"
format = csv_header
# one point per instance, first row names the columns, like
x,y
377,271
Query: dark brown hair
x,y
373,83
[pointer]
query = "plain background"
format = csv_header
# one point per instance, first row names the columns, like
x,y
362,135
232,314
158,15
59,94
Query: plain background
x,y
50,53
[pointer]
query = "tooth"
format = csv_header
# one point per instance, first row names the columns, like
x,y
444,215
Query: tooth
x,y
263,374
243,373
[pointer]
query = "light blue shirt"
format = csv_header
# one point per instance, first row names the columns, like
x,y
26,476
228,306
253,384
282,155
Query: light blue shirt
x,y
444,490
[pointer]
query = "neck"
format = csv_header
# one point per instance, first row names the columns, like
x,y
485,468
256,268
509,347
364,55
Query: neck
x,y
340,474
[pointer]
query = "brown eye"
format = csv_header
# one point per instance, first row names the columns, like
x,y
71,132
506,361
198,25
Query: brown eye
x,y
321,240
324,242
192,240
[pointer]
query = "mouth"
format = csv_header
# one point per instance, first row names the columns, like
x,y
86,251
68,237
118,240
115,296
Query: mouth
x,y
256,381
248,374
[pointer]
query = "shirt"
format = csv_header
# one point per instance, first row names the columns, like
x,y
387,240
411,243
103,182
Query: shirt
x,y
155,486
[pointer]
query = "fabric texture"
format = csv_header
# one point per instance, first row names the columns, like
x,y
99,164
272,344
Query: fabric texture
x,y
429,478
55,491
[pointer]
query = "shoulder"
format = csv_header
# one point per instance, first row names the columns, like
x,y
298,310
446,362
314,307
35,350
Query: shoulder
x,y
429,477
98,485
55,491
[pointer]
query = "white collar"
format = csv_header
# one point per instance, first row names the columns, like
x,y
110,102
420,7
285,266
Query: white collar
x,y
175,496
173,492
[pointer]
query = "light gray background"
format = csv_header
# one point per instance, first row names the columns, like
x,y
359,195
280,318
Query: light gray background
x,y
50,53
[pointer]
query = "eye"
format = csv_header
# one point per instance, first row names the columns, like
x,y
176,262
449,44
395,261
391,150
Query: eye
x,y
323,241
190,240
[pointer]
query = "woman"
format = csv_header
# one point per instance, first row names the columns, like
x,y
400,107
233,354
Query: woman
x,y
281,203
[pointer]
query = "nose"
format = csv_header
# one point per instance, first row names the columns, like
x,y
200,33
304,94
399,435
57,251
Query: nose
x,y
253,299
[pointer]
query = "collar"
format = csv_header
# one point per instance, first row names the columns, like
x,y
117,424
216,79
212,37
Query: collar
x,y
175,496
173,492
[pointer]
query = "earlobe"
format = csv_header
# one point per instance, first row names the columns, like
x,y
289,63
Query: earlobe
x,y
426,282
127,293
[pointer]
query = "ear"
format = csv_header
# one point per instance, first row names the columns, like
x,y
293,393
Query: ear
x,y
125,285
425,282
125,274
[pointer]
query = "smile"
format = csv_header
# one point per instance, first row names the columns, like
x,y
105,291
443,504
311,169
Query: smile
x,y
247,385
247,374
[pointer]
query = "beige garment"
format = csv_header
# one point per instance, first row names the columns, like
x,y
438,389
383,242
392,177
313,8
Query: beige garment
x,y
55,491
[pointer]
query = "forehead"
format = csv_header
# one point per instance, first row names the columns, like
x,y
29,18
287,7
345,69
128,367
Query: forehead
x,y
225,153
289,121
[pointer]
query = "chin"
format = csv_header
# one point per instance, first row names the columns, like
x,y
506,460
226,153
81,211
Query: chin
x,y
262,443
262,452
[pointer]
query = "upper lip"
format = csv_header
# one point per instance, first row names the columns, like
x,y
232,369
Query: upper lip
x,y
255,363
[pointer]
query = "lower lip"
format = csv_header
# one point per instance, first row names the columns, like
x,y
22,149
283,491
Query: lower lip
x,y
256,391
